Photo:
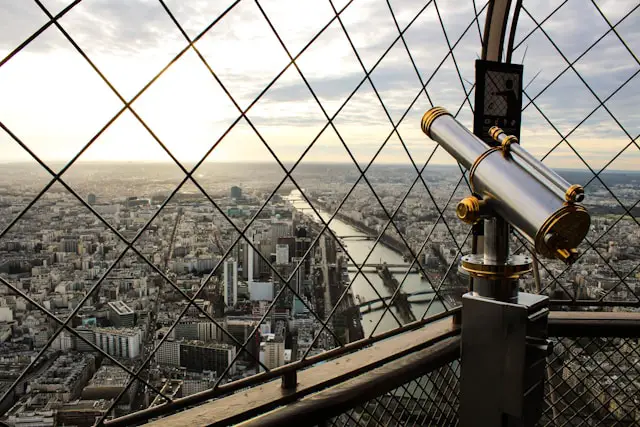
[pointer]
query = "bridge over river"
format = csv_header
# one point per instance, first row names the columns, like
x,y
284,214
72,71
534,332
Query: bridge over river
x,y
376,304
359,237
393,268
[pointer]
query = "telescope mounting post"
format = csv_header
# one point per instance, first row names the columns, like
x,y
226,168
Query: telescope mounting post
x,y
504,332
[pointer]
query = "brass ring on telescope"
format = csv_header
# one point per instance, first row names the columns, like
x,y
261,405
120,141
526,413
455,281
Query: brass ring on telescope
x,y
570,224
506,143
573,193
430,116
468,210
475,165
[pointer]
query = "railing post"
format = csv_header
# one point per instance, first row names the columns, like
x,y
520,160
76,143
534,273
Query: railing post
x,y
290,380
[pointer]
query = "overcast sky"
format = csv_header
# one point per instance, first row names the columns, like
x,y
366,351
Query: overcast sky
x,y
55,102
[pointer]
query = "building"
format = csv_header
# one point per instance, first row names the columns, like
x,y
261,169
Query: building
x,y
31,410
290,241
282,254
86,333
91,199
121,315
69,245
236,192
123,343
261,291
66,376
241,328
302,245
107,383
6,314
196,329
190,387
208,331
64,341
168,353
272,352
280,229
81,413
230,282
200,356
186,330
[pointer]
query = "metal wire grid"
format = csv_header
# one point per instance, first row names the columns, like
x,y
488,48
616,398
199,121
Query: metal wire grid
x,y
428,400
136,374
632,298
589,382
593,381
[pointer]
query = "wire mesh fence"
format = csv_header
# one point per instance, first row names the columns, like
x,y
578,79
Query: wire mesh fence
x,y
592,381
428,400
150,275
589,381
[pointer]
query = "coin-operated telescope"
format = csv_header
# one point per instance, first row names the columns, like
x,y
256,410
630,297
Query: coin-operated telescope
x,y
504,337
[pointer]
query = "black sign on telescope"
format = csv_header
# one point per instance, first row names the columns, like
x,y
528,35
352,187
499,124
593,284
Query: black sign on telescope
x,y
498,98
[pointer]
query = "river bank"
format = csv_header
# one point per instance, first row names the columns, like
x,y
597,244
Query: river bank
x,y
390,242
368,286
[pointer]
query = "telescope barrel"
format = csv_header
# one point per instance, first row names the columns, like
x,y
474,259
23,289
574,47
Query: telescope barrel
x,y
531,204
571,193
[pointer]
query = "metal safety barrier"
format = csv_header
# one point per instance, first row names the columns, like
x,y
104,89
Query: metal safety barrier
x,y
580,391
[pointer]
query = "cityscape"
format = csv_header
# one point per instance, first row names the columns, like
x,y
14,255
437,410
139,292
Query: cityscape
x,y
287,290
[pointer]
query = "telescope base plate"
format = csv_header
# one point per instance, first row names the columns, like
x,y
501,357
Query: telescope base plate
x,y
513,268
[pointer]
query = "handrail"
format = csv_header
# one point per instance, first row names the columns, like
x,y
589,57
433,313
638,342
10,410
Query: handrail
x,y
594,324
398,357
261,399
342,397
256,380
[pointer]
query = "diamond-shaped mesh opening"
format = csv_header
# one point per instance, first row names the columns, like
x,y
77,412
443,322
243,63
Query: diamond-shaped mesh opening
x,y
208,191
431,399
591,381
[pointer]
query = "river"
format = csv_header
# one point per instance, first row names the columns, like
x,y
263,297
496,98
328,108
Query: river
x,y
358,249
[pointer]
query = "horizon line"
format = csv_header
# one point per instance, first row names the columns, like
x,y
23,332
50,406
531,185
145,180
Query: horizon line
x,y
257,162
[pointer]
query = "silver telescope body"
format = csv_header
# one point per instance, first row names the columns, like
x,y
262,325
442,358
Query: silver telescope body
x,y
508,181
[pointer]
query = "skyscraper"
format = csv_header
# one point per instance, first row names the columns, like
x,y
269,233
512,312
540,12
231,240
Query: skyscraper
x,y
236,192
230,282
272,353
282,254
302,245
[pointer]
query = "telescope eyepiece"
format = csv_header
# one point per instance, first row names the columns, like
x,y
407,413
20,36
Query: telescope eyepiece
x,y
430,116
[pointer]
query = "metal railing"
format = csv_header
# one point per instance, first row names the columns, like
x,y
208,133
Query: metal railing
x,y
406,401
591,379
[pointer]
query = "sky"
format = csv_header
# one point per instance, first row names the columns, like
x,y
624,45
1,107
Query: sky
x,y
53,100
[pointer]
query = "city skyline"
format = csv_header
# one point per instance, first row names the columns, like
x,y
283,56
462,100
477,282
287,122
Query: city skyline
x,y
273,164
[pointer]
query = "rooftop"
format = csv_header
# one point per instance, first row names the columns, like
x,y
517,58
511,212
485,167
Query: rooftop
x,y
109,376
120,307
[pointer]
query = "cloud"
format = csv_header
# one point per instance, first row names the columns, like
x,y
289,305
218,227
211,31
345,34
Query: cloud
x,y
132,40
